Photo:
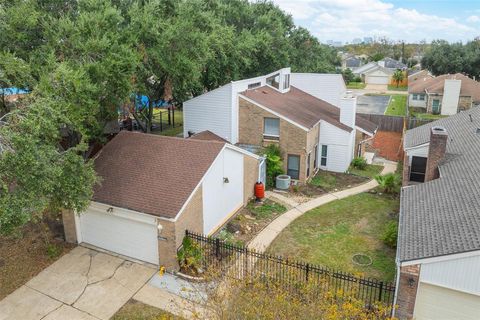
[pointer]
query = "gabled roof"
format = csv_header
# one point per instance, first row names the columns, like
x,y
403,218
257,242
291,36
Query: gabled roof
x,y
394,64
152,174
365,67
365,125
469,88
297,106
208,135
442,216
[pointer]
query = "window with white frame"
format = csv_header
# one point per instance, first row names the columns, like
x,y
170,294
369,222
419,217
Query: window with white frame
x,y
254,85
323,156
415,97
286,82
274,81
421,97
271,128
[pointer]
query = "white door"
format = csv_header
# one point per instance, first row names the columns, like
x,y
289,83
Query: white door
x,y
133,236
377,80
439,303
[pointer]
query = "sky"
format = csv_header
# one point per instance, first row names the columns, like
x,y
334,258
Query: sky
x,y
407,20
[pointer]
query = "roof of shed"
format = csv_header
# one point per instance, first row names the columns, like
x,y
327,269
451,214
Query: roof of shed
x,y
469,86
152,174
297,105
442,216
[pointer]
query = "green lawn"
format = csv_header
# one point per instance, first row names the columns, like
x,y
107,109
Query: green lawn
x,y
397,105
134,310
356,85
331,234
400,88
169,131
421,115
369,172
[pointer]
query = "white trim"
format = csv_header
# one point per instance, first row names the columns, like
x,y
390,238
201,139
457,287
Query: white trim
x,y
418,146
208,92
371,134
245,152
78,229
454,256
273,112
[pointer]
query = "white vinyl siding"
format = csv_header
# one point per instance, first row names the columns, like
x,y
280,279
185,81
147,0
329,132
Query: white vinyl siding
x,y
340,146
459,274
221,198
437,303
129,234
328,87
210,111
417,102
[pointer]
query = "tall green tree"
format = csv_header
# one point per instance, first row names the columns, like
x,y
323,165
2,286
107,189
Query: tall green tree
x,y
398,76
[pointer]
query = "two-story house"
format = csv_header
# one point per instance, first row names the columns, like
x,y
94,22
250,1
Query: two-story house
x,y
311,117
446,94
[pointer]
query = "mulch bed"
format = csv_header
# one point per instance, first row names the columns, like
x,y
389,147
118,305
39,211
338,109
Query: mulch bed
x,y
23,256
388,145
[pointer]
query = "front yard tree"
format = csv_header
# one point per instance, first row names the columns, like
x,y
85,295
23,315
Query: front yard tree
x,y
398,77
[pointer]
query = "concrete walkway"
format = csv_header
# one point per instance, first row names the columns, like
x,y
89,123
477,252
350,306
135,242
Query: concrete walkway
x,y
263,240
83,285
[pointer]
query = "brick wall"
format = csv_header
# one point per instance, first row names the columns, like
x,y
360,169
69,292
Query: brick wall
x,y
407,291
293,140
173,232
436,152
406,170
465,103
68,217
250,176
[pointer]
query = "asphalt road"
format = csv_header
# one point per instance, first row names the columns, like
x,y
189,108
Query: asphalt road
x,y
372,104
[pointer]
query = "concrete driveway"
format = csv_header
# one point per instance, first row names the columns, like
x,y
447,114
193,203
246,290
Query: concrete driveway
x,y
84,284
372,104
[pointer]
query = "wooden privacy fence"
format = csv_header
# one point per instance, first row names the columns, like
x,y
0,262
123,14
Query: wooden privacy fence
x,y
393,123
239,263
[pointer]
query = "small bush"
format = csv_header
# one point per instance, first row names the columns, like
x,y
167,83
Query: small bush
x,y
190,257
53,251
389,183
359,163
389,236
274,163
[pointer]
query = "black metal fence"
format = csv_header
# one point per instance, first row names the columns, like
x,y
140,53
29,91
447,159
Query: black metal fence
x,y
239,262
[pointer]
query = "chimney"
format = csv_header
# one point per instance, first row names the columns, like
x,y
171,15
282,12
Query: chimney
x,y
436,151
348,109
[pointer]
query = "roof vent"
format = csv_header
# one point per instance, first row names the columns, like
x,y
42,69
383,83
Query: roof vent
x,y
264,92
439,129
478,131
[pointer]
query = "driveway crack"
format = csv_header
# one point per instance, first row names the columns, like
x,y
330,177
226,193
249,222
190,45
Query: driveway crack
x,y
86,284
51,311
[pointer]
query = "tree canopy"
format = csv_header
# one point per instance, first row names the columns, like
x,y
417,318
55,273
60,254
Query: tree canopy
x,y
444,57
82,60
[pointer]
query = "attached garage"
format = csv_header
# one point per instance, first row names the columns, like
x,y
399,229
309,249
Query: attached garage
x,y
378,75
153,188
377,79
439,303
132,235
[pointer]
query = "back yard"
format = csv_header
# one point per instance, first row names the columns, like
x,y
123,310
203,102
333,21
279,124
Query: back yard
x,y
397,105
331,235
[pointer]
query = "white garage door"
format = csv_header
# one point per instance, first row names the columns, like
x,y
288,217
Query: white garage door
x,y
438,303
376,80
134,237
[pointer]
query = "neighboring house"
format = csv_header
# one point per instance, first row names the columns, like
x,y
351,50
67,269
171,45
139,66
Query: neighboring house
x,y
445,94
373,73
415,75
438,250
310,116
392,64
153,188
351,62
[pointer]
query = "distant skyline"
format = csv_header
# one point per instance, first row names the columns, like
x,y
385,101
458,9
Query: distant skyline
x,y
408,20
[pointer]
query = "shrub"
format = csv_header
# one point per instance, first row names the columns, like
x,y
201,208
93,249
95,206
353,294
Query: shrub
x,y
389,183
190,257
274,163
389,236
53,251
359,163
357,79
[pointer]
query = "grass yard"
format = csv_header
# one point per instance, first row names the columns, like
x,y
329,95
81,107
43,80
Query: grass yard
x,y
176,130
414,112
369,172
395,88
23,256
356,85
134,310
250,220
397,105
332,234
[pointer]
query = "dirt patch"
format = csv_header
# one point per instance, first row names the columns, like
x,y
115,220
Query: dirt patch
x,y
388,145
250,221
23,256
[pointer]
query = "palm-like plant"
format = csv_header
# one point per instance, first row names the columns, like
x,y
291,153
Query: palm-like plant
x,y
389,183
398,77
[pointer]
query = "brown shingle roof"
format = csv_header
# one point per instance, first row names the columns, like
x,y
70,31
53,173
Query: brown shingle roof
x,y
152,174
298,106
208,135
470,87
365,124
